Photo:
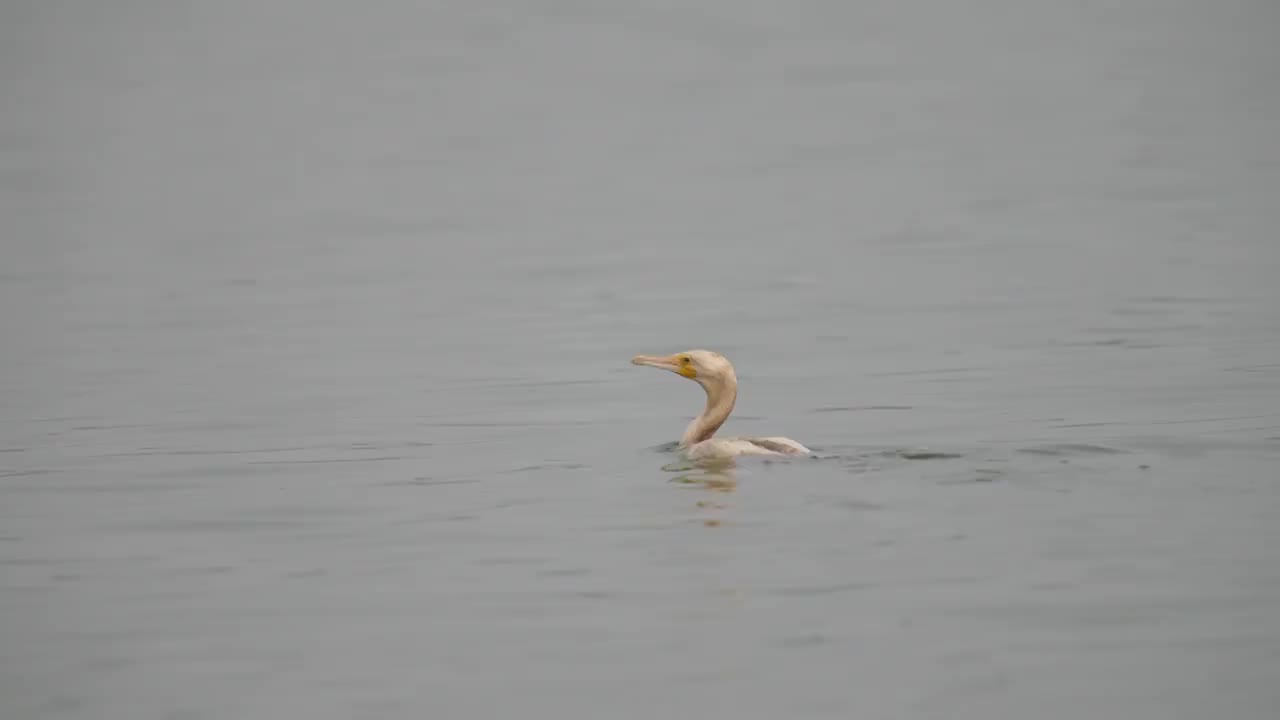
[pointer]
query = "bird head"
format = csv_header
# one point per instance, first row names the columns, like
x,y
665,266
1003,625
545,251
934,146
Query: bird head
x,y
702,366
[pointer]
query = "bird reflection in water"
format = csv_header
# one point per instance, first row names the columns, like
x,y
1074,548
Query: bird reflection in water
x,y
716,476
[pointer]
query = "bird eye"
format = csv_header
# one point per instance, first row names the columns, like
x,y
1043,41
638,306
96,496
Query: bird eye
x,y
685,360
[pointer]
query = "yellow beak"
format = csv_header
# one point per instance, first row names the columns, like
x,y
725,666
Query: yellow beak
x,y
667,362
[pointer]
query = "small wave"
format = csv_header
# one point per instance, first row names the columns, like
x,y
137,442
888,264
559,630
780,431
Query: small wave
x,y
1071,449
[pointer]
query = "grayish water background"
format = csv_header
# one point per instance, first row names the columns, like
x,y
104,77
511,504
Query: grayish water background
x,y
316,318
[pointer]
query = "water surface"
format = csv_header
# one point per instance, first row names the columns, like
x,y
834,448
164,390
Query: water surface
x,y
316,324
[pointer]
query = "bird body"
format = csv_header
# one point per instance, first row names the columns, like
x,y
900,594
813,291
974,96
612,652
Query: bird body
x,y
715,374
733,446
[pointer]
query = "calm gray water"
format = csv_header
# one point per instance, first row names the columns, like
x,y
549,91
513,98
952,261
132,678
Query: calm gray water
x,y
316,398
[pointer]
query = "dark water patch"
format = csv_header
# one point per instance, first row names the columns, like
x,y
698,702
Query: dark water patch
x,y
1138,330
508,560
62,419
110,426
37,561
1227,418
858,466
926,455
113,488
1263,368
200,571
547,466
5,474
858,505
1143,312
367,445
163,452
564,572
1070,449
513,503
979,476
826,589
304,511
236,525
327,461
859,408
509,424
952,380
1182,300
429,481
1123,343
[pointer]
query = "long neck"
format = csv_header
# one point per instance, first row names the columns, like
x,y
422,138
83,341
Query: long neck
x,y
720,399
